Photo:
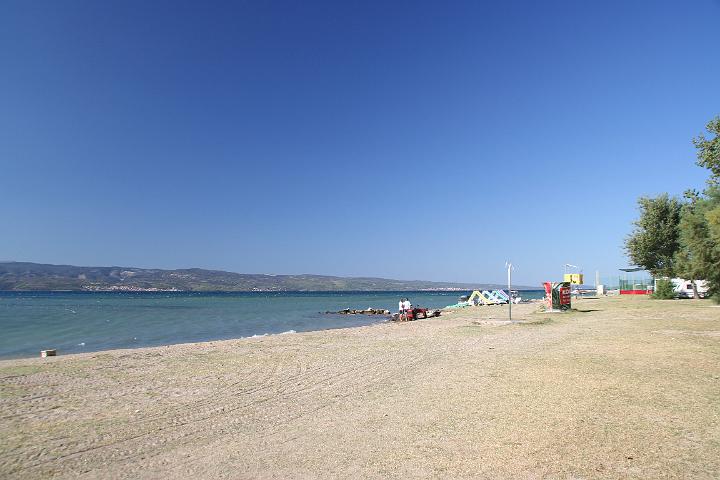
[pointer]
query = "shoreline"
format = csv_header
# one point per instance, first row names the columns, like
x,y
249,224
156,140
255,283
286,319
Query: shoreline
x,y
229,342
168,345
180,344
387,319
91,322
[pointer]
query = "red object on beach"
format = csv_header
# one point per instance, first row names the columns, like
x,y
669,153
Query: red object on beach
x,y
414,314
557,295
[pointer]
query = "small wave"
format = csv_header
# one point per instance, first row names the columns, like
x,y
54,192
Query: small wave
x,y
259,335
81,344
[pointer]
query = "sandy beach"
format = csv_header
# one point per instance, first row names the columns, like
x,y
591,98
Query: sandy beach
x,y
622,387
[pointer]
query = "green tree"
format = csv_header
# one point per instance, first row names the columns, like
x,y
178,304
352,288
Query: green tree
x,y
664,289
654,242
708,150
699,255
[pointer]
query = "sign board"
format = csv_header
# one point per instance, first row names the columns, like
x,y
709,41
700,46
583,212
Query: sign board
x,y
574,278
557,295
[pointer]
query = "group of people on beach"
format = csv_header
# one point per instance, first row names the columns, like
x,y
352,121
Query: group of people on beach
x,y
404,305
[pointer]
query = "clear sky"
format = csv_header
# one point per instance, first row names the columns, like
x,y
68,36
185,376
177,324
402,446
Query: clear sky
x,y
412,140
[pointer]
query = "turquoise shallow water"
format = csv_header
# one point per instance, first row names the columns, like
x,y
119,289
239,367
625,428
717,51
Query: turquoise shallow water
x,y
74,322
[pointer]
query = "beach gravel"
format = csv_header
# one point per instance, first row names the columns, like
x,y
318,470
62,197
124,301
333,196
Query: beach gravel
x,y
618,388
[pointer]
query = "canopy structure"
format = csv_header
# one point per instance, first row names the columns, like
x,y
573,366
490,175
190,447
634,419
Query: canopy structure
x,y
633,283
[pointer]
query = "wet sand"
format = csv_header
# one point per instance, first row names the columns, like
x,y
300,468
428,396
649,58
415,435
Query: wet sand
x,y
623,387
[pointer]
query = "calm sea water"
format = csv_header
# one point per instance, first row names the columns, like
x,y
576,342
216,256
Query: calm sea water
x,y
74,322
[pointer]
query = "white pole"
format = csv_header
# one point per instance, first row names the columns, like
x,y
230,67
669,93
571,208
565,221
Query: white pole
x,y
510,290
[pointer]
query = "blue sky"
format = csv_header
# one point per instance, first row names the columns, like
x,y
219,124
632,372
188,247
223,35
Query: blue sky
x,y
413,140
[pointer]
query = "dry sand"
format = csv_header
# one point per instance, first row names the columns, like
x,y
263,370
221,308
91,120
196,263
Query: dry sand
x,y
625,387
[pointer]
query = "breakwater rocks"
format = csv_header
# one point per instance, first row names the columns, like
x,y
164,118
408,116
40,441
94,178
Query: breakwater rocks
x,y
368,311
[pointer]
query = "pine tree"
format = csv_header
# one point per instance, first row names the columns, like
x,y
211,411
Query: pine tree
x,y
699,254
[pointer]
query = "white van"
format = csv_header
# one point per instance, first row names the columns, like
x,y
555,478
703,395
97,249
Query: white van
x,y
684,289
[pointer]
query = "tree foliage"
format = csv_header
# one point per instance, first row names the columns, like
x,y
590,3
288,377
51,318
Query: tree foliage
x,y
708,150
683,238
664,289
655,239
699,254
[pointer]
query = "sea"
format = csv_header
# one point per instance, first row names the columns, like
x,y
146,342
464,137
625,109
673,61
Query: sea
x,y
75,322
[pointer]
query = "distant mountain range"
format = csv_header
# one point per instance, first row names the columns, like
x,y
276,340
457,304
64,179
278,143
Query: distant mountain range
x,y
26,276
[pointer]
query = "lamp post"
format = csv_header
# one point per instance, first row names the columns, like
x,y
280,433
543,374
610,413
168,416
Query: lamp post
x,y
571,266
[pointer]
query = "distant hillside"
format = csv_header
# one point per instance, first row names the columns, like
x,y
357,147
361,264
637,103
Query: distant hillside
x,y
28,276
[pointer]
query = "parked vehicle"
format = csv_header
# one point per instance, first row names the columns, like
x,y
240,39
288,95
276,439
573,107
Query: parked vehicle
x,y
684,289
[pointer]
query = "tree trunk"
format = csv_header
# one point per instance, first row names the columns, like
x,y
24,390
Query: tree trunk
x,y
696,296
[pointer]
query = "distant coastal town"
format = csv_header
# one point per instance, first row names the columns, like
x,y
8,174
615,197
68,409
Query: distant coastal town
x,y
127,288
